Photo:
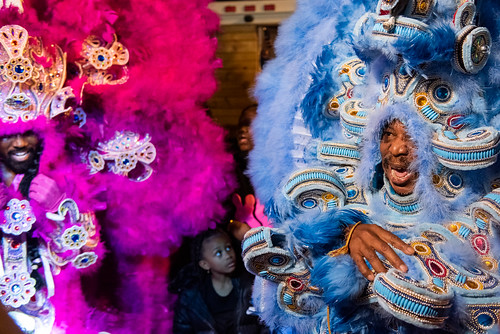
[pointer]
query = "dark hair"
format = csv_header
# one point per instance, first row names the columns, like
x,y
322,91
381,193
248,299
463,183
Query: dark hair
x,y
192,273
197,245
24,185
247,115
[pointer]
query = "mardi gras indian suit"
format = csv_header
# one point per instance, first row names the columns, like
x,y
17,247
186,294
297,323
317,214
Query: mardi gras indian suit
x,y
47,223
106,132
344,73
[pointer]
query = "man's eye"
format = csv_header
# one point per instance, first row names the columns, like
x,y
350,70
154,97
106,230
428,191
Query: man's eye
x,y
219,253
228,248
387,134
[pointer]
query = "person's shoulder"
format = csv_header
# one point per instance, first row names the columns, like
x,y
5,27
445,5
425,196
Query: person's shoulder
x,y
187,278
187,295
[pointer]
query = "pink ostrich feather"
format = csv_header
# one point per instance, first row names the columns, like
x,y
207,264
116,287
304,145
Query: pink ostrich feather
x,y
71,310
171,71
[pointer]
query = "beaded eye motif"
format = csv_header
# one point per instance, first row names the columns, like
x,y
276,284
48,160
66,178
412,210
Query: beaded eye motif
x,y
126,154
18,217
100,59
265,255
434,100
448,182
351,74
84,260
313,188
397,85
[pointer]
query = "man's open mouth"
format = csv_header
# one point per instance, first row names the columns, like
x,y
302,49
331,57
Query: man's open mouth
x,y
400,175
19,155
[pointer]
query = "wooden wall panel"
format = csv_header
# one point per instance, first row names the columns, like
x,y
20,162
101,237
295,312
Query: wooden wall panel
x,y
238,49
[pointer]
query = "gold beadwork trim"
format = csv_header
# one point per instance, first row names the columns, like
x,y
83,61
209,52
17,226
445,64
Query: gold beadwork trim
x,y
328,318
344,249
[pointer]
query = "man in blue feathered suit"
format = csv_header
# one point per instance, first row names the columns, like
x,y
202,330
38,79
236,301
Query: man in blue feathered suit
x,y
388,112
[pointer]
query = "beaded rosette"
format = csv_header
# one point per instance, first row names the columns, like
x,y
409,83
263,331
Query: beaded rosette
x,y
16,289
18,217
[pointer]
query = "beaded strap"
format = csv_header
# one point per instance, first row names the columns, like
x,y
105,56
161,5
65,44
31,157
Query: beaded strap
x,y
344,249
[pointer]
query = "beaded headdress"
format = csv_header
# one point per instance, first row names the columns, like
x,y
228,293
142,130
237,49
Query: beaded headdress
x,y
33,86
396,20
32,79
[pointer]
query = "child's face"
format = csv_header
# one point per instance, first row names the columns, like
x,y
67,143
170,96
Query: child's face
x,y
217,255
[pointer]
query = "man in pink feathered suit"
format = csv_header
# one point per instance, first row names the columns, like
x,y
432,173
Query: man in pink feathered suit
x,y
47,224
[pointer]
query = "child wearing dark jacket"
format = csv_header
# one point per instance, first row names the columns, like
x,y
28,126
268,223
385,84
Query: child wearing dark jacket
x,y
213,299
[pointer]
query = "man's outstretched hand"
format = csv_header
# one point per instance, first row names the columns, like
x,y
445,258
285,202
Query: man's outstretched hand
x,y
367,240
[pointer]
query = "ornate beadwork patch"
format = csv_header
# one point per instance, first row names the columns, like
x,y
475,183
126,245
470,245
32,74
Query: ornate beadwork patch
x,y
265,255
307,189
100,60
123,154
84,260
29,88
18,217
16,289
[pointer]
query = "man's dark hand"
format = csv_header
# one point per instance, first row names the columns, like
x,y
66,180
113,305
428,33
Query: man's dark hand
x,y
367,240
